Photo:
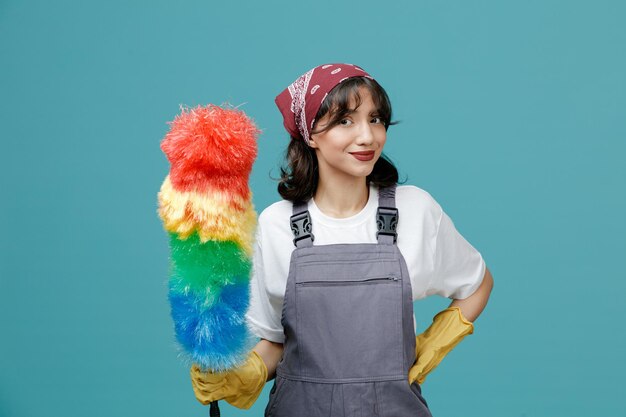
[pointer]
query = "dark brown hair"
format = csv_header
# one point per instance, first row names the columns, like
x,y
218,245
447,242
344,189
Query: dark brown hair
x,y
298,180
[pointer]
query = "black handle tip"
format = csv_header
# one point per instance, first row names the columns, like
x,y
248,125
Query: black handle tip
x,y
214,411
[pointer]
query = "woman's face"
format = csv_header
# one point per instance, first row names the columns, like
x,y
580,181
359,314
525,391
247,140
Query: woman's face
x,y
352,147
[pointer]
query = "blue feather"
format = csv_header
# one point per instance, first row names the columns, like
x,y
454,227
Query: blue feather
x,y
216,338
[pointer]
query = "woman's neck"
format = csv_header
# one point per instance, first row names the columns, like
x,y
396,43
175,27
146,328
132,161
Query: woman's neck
x,y
342,198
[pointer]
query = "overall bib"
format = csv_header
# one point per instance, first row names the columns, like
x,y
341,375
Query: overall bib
x,y
348,322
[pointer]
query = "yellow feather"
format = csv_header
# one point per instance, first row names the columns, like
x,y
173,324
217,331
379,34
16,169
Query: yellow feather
x,y
214,215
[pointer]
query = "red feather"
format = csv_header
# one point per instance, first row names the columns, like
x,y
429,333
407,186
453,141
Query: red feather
x,y
210,147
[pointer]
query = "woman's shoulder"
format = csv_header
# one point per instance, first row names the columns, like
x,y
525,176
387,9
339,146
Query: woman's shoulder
x,y
279,208
415,199
276,215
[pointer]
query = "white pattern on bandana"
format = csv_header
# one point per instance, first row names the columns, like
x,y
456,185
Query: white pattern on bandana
x,y
298,90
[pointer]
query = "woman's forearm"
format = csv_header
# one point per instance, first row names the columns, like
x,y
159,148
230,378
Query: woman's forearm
x,y
271,353
472,306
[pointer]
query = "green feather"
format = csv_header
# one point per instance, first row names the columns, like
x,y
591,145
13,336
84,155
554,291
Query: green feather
x,y
204,268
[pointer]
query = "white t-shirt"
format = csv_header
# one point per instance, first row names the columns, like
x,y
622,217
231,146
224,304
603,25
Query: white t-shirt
x,y
439,260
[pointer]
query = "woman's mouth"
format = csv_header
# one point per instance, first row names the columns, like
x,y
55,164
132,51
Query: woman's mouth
x,y
363,156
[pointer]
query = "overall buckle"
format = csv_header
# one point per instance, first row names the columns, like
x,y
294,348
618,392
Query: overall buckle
x,y
387,221
301,226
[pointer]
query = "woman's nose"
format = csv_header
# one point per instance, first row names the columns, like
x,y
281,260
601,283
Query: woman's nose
x,y
365,133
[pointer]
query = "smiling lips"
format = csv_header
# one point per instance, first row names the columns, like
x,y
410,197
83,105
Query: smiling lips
x,y
363,156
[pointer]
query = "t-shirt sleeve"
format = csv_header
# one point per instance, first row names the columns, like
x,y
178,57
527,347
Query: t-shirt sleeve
x,y
263,316
458,268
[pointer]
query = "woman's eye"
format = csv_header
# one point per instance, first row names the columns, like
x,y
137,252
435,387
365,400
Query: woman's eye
x,y
378,119
345,122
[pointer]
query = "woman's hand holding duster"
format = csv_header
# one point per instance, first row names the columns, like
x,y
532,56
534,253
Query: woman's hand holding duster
x,y
240,386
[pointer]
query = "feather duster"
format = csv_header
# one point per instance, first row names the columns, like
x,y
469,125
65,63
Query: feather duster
x,y
206,207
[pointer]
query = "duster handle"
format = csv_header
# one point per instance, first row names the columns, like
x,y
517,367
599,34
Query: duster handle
x,y
214,410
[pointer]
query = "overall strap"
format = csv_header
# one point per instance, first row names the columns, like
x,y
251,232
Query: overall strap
x,y
387,216
301,225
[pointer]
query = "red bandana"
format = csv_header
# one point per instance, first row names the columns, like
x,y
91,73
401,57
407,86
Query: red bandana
x,y
300,102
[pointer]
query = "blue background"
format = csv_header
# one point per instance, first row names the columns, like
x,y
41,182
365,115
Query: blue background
x,y
513,118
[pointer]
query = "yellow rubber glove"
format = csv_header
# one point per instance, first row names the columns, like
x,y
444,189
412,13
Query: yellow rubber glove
x,y
240,386
449,327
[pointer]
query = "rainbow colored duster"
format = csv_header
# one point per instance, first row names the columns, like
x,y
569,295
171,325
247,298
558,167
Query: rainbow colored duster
x,y
205,204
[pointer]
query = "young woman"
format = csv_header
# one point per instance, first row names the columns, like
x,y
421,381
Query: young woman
x,y
339,262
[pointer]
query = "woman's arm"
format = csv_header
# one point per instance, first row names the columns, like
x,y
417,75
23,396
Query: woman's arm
x,y
270,352
472,306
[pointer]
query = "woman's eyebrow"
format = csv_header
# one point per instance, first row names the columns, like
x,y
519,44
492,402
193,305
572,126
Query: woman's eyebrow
x,y
350,111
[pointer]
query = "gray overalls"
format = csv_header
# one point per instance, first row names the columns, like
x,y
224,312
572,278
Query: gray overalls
x,y
348,322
